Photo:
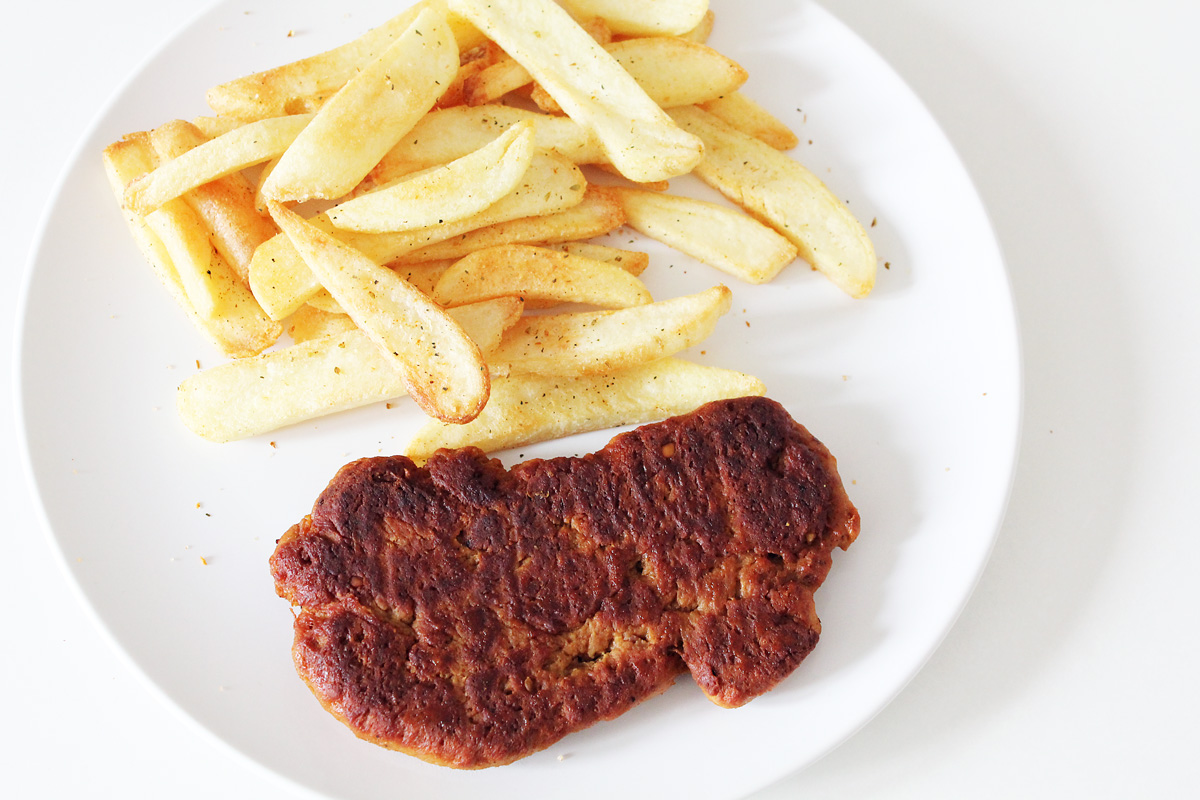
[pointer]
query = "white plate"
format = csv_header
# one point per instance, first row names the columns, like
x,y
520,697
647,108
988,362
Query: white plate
x,y
915,389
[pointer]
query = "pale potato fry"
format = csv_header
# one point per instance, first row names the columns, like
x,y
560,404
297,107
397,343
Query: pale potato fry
x,y
243,330
703,28
225,205
643,17
588,84
446,134
713,234
442,367
423,276
632,261
588,343
231,152
532,409
460,189
282,282
538,275
749,117
671,70
367,116
336,372
303,86
782,193
598,214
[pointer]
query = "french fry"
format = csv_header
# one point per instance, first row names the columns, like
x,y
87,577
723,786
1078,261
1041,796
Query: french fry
x,y
632,261
442,367
242,329
423,276
588,84
535,408
231,152
282,282
782,193
598,214
303,86
446,134
367,116
589,343
643,17
335,372
747,116
310,323
212,127
703,29
671,70
713,234
538,275
225,205
460,189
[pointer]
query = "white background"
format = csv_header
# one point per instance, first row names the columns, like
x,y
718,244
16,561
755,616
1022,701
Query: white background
x,y
1071,672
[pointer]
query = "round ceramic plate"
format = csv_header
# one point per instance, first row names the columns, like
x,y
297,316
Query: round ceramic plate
x,y
915,389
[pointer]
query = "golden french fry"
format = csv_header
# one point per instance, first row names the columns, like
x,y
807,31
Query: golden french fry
x,y
713,234
747,116
449,133
229,153
534,408
643,17
303,86
460,189
241,330
588,343
442,367
310,323
212,127
632,261
781,192
538,275
423,276
336,372
282,282
367,116
671,70
225,205
598,214
588,84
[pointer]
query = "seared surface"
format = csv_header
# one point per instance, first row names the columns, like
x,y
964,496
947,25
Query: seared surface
x,y
472,615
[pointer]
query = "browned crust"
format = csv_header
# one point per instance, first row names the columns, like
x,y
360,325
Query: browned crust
x,y
470,615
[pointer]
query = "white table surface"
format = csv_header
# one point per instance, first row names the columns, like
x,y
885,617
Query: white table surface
x,y
1072,670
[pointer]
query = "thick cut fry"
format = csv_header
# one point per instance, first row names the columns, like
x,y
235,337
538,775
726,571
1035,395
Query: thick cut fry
x,y
242,329
598,214
336,372
367,116
225,205
282,282
671,70
310,323
506,75
784,194
229,153
747,116
423,276
589,343
539,275
446,134
643,17
588,84
533,409
212,127
632,261
464,187
442,367
302,86
718,236
703,29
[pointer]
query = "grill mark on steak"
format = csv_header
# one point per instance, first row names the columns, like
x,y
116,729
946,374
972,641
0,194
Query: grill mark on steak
x,y
471,615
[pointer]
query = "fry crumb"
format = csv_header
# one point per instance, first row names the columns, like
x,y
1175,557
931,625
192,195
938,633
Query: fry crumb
x,y
204,561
